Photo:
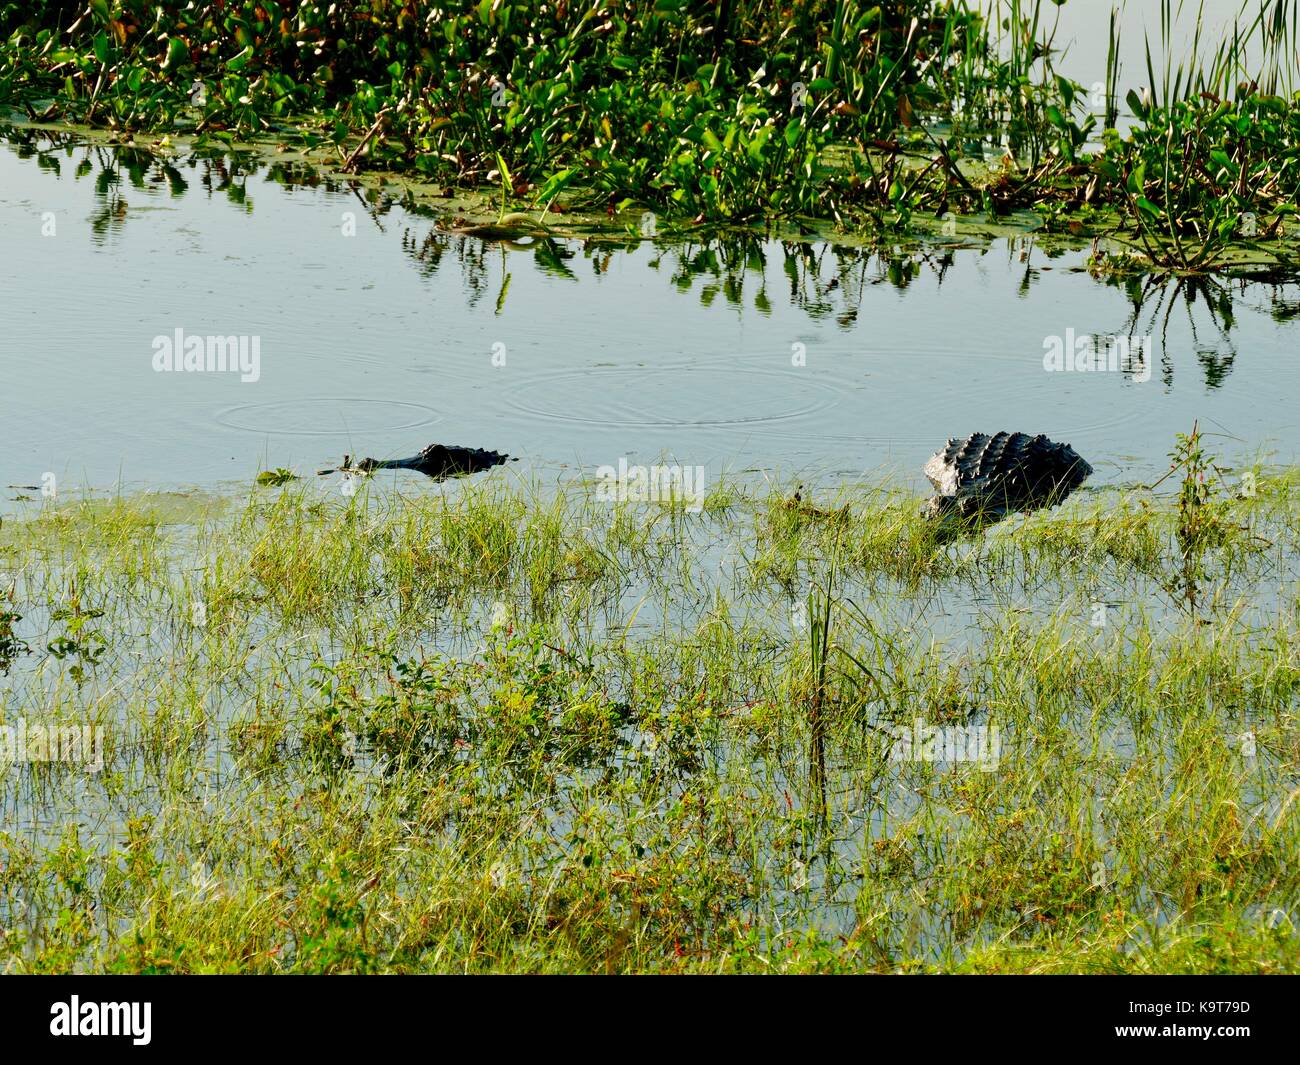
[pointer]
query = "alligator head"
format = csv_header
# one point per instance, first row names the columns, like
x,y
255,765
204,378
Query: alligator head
x,y
438,461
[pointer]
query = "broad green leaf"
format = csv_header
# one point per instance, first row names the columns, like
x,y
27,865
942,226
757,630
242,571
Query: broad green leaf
x,y
1221,159
177,53
1066,89
1137,179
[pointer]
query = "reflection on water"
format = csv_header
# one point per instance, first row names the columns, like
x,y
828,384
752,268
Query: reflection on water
x,y
741,352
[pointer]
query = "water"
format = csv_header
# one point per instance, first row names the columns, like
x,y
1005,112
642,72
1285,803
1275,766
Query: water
x,y
605,354
1080,32
752,359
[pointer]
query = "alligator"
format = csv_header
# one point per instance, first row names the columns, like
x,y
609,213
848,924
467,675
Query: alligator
x,y
438,461
982,478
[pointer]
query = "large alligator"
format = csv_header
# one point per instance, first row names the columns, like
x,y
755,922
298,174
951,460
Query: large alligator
x,y
438,461
983,478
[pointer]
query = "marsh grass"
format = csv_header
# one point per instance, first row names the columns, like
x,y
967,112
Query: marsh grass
x,y
511,727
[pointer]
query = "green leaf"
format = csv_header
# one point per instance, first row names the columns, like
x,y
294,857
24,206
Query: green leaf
x,y
1137,179
1066,89
177,53
506,177
1221,159
554,184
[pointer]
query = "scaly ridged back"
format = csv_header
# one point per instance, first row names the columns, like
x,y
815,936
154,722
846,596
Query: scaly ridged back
x,y
1003,472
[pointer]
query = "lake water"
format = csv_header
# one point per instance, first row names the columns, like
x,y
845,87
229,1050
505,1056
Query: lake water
x,y
780,360
1079,31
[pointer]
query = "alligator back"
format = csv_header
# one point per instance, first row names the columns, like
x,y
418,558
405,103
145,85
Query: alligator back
x,y
996,474
439,461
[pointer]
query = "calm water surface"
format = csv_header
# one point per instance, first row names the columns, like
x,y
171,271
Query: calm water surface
x,y
748,358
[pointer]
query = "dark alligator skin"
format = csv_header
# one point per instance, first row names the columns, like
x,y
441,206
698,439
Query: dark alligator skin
x,y
437,460
989,477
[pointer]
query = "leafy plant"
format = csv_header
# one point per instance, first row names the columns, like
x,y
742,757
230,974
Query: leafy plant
x,y
276,477
11,645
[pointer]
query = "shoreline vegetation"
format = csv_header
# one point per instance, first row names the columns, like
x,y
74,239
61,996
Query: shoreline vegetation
x,y
495,727
871,120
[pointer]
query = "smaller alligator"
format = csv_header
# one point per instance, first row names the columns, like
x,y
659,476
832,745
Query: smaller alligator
x,y
983,478
438,461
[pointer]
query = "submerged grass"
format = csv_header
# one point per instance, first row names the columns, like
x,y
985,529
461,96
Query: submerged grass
x,y
500,728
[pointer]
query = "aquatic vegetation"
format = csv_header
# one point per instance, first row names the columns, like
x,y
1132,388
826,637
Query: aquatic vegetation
x,y
482,726
1205,180
670,106
10,645
275,477
878,118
